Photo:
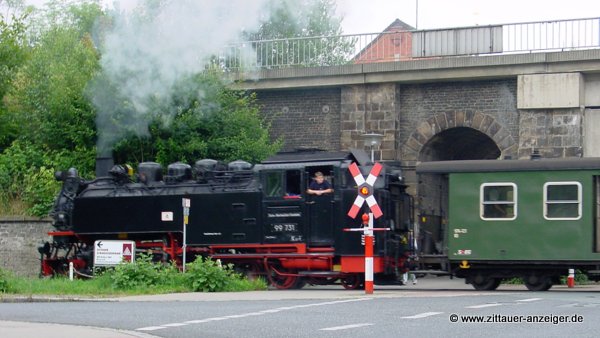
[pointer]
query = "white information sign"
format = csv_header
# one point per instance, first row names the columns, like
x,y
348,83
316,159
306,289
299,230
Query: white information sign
x,y
110,253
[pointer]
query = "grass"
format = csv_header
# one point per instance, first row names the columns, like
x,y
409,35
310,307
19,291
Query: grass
x,y
141,278
12,207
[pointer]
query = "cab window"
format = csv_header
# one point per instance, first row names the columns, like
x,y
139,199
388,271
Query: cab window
x,y
562,200
273,184
327,172
498,201
293,184
286,184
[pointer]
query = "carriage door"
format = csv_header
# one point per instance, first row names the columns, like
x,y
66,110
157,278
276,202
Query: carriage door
x,y
283,207
320,209
597,207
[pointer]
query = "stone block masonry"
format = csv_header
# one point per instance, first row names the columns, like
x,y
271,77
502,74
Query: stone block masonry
x,y
19,240
427,109
369,109
307,118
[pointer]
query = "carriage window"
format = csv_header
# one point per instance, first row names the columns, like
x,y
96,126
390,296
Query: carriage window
x,y
498,201
562,200
274,184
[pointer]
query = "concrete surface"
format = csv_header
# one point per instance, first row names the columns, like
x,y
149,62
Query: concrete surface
x,y
428,287
10,329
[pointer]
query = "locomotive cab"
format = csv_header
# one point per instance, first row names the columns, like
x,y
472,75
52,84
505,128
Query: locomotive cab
x,y
291,214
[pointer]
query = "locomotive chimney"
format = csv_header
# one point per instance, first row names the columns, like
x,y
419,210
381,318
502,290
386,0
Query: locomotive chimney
x,y
103,165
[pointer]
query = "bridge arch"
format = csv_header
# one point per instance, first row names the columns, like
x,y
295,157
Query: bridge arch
x,y
459,136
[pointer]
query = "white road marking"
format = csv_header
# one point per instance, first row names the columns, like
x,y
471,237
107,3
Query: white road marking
x,y
482,306
528,300
422,315
150,328
174,324
243,315
345,327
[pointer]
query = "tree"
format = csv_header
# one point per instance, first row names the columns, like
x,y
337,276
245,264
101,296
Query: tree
x,y
13,53
289,20
48,99
295,19
222,124
50,119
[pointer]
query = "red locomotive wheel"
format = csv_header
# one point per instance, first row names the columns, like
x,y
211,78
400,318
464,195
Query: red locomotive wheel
x,y
353,282
278,278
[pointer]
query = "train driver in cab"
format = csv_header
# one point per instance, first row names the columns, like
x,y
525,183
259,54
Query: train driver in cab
x,y
319,185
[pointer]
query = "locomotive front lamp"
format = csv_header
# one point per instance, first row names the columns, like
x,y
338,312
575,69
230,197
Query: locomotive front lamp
x,y
372,140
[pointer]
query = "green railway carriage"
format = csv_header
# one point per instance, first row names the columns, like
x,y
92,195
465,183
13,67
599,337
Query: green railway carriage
x,y
500,219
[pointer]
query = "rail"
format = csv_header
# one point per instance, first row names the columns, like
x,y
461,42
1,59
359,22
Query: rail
x,y
397,45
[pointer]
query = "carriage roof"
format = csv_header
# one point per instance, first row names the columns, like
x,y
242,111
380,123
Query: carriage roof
x,y
472,166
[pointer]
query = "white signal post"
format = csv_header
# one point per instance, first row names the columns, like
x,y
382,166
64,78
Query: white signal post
x,y
365,193
186,214
571,278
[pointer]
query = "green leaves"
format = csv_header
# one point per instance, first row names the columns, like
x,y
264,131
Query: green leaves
x,y
220,123
302,19
203,274
5,281
141,274
13,53
48,94
49,73
207,275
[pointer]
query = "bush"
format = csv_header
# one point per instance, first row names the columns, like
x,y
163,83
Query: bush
x,y
40,189
5,281
27,176
141,274
208,276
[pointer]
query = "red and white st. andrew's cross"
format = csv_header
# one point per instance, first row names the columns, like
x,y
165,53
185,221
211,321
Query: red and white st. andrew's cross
x,y
365,190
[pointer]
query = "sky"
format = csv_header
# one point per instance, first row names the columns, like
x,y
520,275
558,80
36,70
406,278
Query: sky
x,y
373,16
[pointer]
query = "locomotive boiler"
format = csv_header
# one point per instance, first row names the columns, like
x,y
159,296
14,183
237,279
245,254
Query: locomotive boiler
x,y
257,217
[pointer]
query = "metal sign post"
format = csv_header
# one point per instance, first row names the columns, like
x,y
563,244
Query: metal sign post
x,y
186,214
368,231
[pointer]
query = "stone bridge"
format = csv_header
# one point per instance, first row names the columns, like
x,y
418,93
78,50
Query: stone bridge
x,y
444,108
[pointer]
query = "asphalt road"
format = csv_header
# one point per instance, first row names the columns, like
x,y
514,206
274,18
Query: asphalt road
x,y
433,307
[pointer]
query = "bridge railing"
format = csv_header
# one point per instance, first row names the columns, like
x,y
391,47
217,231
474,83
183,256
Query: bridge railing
x,y
525,37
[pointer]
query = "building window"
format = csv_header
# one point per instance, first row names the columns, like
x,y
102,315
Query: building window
x,y
498,201
562,200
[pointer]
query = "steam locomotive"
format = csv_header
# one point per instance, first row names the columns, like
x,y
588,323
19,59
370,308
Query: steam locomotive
x,y
482,220
257,217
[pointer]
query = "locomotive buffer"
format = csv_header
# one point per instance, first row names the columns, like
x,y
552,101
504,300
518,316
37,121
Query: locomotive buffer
x,y
365,193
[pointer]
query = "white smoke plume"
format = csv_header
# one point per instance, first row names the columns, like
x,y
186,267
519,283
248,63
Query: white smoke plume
x,y
152,47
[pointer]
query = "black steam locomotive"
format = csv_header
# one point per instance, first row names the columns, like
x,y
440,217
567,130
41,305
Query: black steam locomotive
x,y
257,217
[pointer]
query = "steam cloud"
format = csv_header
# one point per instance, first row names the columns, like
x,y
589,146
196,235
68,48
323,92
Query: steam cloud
x,y
148,50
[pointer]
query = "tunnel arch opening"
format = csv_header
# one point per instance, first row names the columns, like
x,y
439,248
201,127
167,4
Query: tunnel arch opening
x,y
459,143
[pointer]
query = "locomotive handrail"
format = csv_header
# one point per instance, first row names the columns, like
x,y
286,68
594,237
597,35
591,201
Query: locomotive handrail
x,y
270,255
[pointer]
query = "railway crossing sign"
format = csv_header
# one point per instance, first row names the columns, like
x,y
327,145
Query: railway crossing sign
x,y
365,193
365,190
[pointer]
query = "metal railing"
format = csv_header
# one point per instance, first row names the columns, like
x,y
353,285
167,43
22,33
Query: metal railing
x,y
557,35
526,37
